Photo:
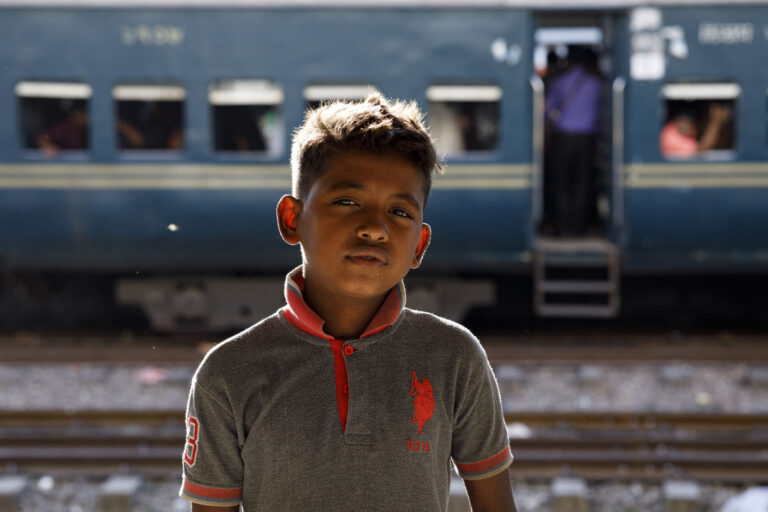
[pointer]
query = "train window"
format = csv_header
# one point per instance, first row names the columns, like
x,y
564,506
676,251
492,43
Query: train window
x,y
54,116
698,120
149,117
464,118
246,116
314,95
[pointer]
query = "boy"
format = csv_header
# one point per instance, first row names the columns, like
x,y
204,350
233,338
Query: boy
x,y
344,399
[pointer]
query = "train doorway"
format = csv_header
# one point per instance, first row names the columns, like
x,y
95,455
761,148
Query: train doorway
x,y
576,262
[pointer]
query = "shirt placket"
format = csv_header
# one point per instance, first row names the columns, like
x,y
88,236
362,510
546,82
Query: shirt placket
x,y
357,429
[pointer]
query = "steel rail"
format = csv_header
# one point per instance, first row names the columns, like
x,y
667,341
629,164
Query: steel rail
x,y
595,445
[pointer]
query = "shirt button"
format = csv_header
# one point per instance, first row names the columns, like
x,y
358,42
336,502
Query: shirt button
x,y
346,389
349,350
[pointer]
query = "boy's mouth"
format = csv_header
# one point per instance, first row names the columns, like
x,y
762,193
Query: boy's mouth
x,y
368,257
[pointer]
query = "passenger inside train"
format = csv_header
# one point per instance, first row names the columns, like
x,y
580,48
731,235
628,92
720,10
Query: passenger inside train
x,y
241,127
464,126
53,125
679,136
246,117
573,114
150,125
70,133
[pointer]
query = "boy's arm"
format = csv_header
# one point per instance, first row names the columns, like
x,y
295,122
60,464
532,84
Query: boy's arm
x,y
212,466
481,451
196,507
492,494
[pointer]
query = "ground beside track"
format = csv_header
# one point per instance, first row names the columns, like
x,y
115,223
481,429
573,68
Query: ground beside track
x,y
578,371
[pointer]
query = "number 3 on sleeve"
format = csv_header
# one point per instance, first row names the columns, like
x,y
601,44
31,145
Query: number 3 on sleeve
x,y
190,451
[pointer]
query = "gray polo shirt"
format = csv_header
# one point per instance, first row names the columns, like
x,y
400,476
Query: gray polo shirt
x,y
284,417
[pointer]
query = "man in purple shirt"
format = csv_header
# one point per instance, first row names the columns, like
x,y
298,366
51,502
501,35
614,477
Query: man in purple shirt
x,y
573,114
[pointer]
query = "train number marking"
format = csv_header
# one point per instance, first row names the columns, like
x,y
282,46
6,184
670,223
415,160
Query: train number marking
x,y
726,33
154,35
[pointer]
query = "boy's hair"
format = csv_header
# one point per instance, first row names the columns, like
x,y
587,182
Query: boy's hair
x,y
375,125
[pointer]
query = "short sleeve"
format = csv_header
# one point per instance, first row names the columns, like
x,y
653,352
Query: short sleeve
x,y
673,144
212,465
480,446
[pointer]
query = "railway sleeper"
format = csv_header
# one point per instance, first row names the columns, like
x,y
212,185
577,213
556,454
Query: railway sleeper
x,y
117,493
11,487
570,494
681,496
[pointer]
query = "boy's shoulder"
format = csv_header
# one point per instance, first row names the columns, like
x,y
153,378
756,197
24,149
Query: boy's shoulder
x,y
425,319
228,356
446,334
255,346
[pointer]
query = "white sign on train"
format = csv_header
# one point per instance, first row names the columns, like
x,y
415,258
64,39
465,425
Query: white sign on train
x,y
151,35
726,33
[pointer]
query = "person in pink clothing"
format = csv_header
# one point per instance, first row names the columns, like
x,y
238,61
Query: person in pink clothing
x,y
678,138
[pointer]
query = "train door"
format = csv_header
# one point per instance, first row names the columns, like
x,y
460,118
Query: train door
x,y
576,262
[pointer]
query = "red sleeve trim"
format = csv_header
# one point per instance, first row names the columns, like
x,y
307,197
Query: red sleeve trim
x,y
211,492
485,466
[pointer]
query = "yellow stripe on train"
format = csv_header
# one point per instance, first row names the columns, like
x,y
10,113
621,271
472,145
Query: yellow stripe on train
x,y
697,175
168,177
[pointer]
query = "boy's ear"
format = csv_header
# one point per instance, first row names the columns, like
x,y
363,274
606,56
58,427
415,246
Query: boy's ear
x,y
424,237
287,209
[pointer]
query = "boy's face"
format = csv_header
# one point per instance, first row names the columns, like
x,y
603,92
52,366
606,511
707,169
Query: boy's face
x,y
360,225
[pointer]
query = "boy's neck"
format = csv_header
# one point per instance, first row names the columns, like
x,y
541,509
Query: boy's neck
x,y
344,318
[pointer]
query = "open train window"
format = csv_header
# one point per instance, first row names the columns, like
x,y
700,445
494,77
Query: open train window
x,y
54,116
698,120
149,117
464,118
247,116
314,95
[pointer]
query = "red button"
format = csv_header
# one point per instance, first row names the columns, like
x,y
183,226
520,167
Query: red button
x,y
349,349
346,389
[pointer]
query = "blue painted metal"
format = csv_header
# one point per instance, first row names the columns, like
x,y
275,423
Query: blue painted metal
x,y
688,230
685,228
490,226
401,51
738,63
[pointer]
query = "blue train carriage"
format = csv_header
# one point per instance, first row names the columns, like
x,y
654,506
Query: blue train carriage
x,y
685,150
701,206
151,144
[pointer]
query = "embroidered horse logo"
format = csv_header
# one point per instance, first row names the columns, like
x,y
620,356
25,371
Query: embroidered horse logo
x,y
424,403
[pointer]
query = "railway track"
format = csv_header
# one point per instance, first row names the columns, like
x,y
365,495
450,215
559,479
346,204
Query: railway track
x,y
92,442
605,446
622,346
107,348
567,346
653,446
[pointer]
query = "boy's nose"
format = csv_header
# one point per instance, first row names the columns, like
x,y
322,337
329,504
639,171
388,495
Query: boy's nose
x,y
373,231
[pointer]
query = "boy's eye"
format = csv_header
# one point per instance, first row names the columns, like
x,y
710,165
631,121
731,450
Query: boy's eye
x,y
345,202
401,213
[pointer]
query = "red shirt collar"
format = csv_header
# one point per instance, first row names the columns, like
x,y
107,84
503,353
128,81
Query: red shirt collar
x,y
298,312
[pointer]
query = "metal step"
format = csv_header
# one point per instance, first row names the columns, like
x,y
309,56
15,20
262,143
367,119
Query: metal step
x,y
576,254
577,287
587,244
577,311
569,261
